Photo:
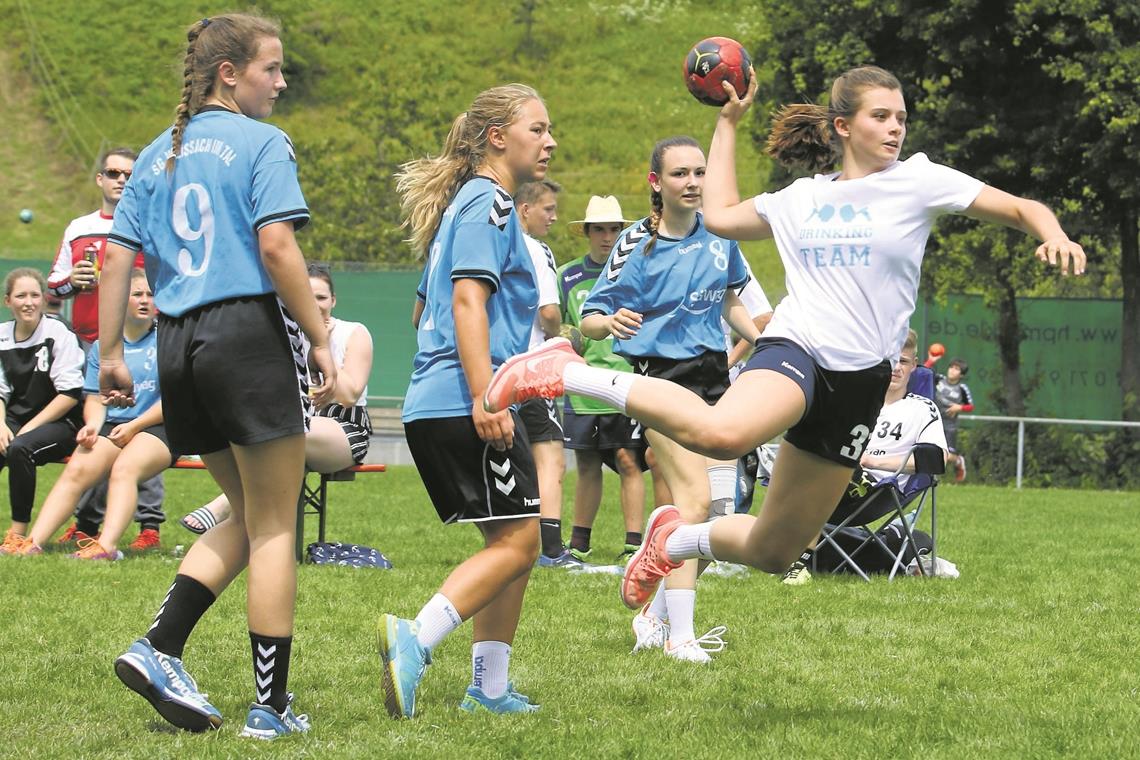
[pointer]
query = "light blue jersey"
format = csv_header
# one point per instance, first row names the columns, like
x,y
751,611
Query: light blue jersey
x,y
198,225
678,289
141,359
479,237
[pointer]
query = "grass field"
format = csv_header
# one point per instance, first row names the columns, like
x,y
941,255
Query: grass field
x,y
1030,654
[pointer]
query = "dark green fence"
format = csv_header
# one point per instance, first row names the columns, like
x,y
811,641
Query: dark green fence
x,y
1070,348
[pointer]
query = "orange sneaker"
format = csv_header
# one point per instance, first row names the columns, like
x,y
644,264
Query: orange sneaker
x,y
148,539
650,563
12,541
92,549
28,548
535,373
73,535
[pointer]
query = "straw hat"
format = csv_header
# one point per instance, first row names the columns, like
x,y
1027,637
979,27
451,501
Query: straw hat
x,y
602,209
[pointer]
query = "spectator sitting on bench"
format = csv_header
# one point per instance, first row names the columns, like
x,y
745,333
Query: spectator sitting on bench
x,y
41,380
904,420
339,433
122,445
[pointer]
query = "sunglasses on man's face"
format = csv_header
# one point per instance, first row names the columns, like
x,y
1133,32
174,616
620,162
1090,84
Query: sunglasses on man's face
x,y
114,174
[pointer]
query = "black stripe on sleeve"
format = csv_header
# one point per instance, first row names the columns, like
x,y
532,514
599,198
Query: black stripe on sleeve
x,y
299,217
132,245
476,274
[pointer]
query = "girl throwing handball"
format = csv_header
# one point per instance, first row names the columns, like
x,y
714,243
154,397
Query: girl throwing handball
x,y
214,206
851,243
475,307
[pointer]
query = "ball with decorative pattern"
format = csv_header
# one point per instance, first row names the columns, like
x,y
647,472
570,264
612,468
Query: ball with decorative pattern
x,y
715,60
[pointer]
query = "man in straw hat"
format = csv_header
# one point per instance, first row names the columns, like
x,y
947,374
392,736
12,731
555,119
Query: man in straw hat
x,y
598,433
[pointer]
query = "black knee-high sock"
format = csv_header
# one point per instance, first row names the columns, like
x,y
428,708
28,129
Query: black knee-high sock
x,y
551,532
185,603
271,669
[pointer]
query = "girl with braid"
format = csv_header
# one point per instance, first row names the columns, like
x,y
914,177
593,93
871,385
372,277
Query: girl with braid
x,y
474,307
664,290
852,243
214,204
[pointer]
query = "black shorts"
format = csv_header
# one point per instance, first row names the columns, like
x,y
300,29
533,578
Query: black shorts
x,y
158,431
705,375
605,434
540,417
841,406
355,423
467,479
232,372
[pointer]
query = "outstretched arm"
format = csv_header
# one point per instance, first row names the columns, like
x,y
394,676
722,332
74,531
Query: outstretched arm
x,y
725,214
1032,218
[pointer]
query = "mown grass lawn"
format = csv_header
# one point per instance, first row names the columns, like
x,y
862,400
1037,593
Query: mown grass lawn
x,y
1031,653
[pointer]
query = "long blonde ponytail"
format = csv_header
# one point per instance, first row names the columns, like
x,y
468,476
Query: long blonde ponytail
x,y
427,185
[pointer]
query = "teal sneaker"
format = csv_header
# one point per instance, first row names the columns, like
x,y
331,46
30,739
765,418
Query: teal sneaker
x,y
580,555
263,722
475,701
161,680
403,662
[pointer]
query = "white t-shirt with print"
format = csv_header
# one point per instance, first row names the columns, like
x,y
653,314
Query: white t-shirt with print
x,y
910,420
547,275
851,252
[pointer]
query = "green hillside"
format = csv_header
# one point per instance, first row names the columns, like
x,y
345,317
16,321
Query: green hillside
x,y
372,84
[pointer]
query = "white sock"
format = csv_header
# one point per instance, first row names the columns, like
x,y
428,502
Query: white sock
x,y
690,542
437,619
489,663
606,385
681,603
658,608
722,489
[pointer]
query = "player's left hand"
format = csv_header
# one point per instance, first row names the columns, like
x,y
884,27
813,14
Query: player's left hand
x,y
323,368
116,388
121,435
734,109
497,429
1063,252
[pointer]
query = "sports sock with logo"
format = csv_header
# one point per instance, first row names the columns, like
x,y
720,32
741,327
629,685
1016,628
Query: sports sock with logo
x,y
437,619
689,542
490,661
551,532
271,656
185,603
606,385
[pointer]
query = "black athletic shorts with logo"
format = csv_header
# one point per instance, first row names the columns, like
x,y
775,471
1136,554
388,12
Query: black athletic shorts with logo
x,y
467,479
232,372
705,375
158,431
540,417
841,406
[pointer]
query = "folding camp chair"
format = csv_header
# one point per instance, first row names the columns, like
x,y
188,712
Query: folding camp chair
x,y
886,500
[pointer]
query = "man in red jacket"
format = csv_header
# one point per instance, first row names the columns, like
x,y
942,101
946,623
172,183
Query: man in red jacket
x,y
75,277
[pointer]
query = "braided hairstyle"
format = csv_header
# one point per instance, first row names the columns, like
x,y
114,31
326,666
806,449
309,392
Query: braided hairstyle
x,y
427,185
233,37
803,135
656,164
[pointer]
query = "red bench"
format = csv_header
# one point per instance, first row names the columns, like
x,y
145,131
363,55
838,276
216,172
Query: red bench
x,y
313,499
